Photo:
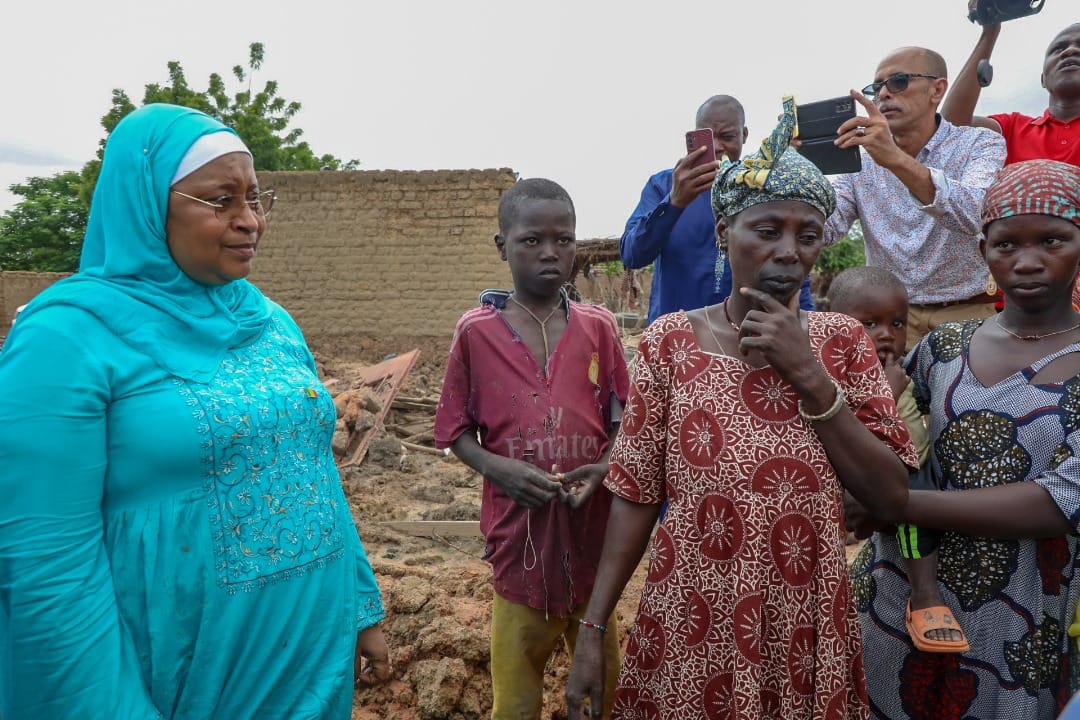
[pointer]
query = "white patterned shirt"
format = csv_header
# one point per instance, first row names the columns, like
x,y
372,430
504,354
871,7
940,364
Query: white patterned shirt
x,y
933,249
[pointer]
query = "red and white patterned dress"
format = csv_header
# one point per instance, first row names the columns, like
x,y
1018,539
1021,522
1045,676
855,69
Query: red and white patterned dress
x,y
747,611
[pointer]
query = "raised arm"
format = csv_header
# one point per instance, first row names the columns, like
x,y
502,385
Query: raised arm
x,y
662,202
874,135
951,195
959,105
64,649
649,227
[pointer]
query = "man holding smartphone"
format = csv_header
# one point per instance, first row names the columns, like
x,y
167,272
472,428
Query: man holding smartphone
x,y
673,226
919,193
1054,135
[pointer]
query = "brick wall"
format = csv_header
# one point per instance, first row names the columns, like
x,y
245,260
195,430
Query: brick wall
x,y
367,262
17,287
373,262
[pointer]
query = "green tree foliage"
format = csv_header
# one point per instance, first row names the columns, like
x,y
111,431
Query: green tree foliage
x,y
44,231
849,251
261,117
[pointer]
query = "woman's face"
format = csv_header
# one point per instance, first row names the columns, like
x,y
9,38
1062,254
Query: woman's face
x,y
773,245
215,247
1033,258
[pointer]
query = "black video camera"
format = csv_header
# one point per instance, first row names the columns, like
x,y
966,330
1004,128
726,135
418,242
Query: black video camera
x,y
991,12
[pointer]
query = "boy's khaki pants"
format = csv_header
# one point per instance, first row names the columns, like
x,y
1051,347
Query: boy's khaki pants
x,y
522,640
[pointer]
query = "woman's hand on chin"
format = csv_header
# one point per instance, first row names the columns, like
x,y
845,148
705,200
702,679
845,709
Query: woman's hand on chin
x,y
775,331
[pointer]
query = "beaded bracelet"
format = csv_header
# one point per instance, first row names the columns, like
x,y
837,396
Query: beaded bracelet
x,y
588,624
828,414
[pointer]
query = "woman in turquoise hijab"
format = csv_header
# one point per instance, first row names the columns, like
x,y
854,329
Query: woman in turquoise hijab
x,y
174,539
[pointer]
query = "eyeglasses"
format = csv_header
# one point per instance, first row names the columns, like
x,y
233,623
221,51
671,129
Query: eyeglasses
x,y
230,207
898,83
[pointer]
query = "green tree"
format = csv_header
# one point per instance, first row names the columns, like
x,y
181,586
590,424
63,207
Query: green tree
x,y
849,251
262,118
44,231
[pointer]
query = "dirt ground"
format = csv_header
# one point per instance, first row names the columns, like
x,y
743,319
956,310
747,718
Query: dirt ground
x,y
437,591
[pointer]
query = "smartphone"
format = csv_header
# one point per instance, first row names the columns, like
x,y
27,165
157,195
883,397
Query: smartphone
x,y
700,138
818,123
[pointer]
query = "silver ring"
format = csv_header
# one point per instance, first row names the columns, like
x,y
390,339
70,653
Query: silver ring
x,y
860,131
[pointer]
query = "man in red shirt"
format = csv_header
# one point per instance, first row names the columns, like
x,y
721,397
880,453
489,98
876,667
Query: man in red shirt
x,y
1054,135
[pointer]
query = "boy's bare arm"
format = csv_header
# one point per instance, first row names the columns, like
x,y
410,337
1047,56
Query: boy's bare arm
x,y
526,484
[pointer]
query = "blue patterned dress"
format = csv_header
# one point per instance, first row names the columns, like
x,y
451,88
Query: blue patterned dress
x,y
170,548
1014,599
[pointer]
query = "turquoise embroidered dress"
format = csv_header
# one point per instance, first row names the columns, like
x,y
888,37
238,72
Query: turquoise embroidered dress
x,y
173,542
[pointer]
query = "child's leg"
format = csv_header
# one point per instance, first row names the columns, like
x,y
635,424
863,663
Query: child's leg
x,y
922,577
522,640
612,652
930,622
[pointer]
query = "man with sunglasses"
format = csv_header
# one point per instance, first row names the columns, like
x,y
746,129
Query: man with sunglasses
x,y
1054,135
920,190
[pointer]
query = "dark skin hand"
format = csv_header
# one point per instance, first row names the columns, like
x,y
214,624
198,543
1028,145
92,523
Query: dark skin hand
x,y
861,523
580,484
628,530
371,664
688,181
776,333
897,377
526,484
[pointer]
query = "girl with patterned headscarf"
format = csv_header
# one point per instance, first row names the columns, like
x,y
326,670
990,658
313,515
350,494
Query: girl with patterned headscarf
x,y
1003,398
748,418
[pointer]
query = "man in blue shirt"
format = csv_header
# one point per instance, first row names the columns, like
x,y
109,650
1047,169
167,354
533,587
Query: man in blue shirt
x,y
673,225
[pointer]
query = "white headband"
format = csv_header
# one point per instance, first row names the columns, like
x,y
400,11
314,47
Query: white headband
x,y
207,148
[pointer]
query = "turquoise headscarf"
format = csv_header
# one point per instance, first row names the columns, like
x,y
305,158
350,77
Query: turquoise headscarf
x,y
775,172
127,278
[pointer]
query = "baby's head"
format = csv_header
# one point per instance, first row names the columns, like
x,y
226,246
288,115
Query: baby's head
x,y
876,298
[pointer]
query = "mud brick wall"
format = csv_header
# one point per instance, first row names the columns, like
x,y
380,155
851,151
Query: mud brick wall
x,y
375,262
17,287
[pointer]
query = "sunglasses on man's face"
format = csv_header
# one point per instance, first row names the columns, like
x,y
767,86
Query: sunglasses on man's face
x,y
896,84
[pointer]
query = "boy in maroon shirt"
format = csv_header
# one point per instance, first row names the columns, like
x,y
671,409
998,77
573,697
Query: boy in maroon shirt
x,y
532,398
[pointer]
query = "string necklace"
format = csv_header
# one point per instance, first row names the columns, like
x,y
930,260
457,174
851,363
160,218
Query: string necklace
x,y
728,316
542,323
1032,338
716,339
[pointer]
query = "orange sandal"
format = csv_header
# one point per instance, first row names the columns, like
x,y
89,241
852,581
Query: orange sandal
x,y
939,617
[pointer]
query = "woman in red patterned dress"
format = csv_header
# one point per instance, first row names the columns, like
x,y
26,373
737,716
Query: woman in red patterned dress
x,y
749,418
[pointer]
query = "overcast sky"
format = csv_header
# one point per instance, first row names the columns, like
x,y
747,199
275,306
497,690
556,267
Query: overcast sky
x,y
594,94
